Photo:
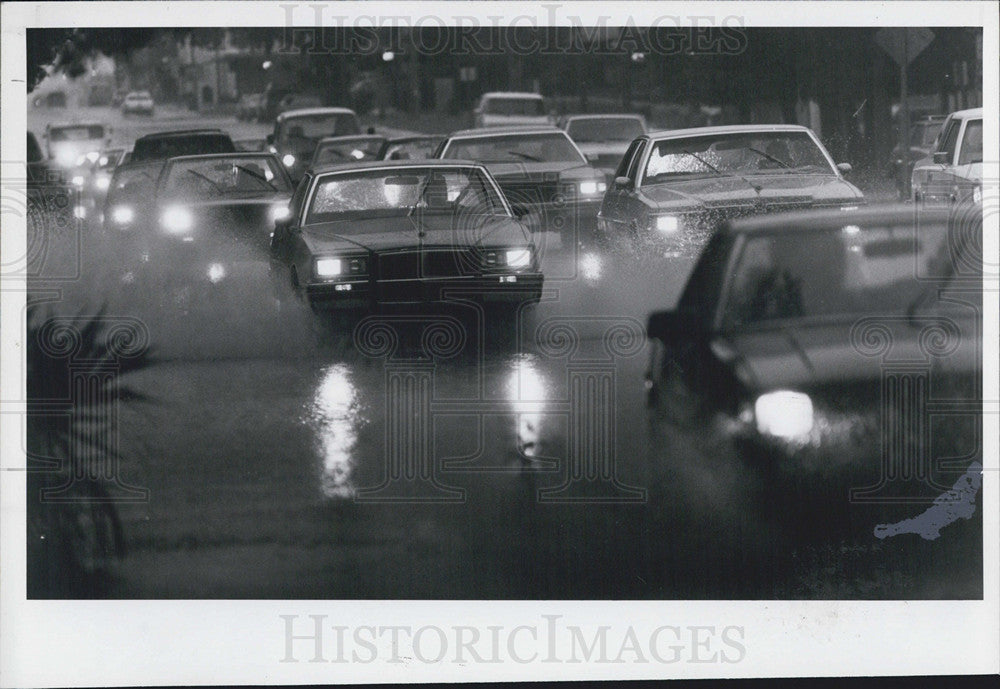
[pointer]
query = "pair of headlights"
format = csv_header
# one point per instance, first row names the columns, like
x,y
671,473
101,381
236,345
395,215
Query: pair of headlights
x,y
591,188
178,219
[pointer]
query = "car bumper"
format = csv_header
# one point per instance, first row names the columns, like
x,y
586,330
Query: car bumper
x,y
519,287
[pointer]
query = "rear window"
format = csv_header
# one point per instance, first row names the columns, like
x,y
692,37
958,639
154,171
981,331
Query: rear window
x,y
169,147
514,106
80,133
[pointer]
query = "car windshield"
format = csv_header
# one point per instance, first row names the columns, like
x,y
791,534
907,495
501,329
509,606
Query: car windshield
x,y
220,177
139,95
77,133
347,150
309,129
924,134
593,130
546,147
533,107
412,150
740,153
133,181
402,191
847,271
172,146
972,144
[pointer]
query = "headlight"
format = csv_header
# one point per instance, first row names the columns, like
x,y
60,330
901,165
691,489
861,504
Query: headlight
x,y
102,182
518,258
103,161
177,220
77,180
590,188
288,159
279,212
977,195
784,414
668,223
328,267
122,215
65,157
80,212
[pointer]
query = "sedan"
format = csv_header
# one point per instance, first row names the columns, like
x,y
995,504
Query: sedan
x,y
541,171
838,355
366,234
604,138
673,188
953,173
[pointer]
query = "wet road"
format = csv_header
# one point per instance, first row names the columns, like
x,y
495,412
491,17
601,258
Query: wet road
x,y
448,453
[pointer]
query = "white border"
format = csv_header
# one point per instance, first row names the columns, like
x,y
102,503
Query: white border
x,y
89,643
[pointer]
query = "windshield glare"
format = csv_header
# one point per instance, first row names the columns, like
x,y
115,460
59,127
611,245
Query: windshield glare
x,y
606,129
741,153
521,148
850,271
514,106
311,128
395,192
213,178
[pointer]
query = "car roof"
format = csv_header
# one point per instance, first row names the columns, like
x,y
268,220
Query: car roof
x,y
180,132
304,112
726,129
817,220
350,137
604,116
496,131
971,113
66,125
371,164
512,94
415,137
238,154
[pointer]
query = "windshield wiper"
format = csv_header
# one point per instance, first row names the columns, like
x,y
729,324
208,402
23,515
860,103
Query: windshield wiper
x,y
526,156
256,175
720,173
770,157
198,174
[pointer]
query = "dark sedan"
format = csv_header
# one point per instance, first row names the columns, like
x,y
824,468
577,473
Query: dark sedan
x,y
839,354
376,233
211,213
183,142
541,171
673,188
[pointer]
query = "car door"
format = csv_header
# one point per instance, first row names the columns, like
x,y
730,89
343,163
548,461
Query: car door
x,y
612,208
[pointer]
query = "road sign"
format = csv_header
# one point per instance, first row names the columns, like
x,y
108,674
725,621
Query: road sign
x,y
903,45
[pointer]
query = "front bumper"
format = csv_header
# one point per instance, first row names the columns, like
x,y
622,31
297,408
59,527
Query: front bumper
x,y
505,287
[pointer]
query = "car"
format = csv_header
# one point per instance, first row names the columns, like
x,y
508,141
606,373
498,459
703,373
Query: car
x,y
340,149
506,108
541,171
94,178
923,135
298,101
163,145
208,215
604,138
367,234
953,173
138,103
75,145
250,107
812,346
420,147
673,188
53,99
297,132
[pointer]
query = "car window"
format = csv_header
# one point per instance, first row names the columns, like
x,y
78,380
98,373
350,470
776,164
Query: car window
x,y
172,146
632,170
546,147
950,138
600,130
208,178
79,133
851,270
346,151
298,197
627,159
309,129
972,143
514,106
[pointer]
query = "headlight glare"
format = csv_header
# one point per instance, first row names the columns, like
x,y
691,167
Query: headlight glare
x,y
518,258
102,182
122,215
784,414
279,212
328,267
77,180
177,219
288,160
591,188
668,223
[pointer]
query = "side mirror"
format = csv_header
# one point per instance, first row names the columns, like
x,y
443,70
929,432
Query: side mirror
x,y
942,157
844,168
623,183
668,326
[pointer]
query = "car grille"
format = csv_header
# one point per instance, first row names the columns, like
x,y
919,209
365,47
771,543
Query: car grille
x,y
429,263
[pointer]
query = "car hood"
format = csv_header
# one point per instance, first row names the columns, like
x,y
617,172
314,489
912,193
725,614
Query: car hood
x,y
383,234
717,191
807,356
